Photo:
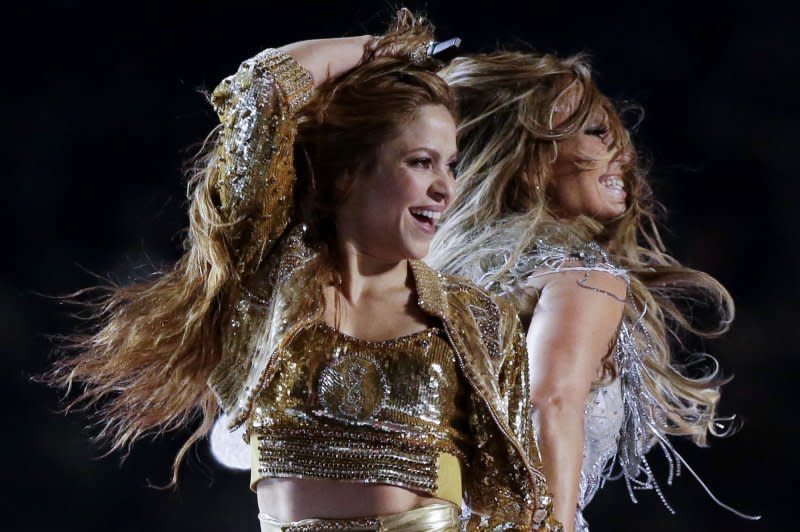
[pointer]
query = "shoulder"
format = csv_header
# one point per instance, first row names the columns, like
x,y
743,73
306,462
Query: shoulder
x,y
550,255
456,286
578,309
580,283
567,261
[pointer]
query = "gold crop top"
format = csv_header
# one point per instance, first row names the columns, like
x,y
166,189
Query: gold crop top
x,y
338,407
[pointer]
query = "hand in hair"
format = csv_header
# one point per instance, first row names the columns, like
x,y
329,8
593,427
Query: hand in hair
x,y
407,33
328,58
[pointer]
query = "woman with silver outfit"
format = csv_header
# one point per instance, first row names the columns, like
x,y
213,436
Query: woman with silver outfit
x,y
554,213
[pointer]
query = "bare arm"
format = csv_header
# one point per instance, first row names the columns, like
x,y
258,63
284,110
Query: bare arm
x,y
570,332
328,58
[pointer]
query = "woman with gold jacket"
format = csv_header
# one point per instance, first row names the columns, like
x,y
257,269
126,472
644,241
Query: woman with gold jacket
x,y
375,393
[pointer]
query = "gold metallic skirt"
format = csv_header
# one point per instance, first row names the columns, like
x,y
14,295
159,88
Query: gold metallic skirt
x,y
433,518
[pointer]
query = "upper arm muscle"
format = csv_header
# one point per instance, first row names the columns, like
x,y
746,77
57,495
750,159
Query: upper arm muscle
x,y
573,325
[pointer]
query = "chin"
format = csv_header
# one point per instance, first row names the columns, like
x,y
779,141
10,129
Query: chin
x,y
611,215
610,211
417,251
418,255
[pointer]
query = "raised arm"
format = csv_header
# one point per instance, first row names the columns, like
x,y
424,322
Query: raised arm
x,y
328,58
571,331
243,196
243,200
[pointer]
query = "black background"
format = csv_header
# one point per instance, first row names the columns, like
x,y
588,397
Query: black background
x,y
101,101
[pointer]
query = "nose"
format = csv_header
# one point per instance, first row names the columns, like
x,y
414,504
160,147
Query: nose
x,y
443,187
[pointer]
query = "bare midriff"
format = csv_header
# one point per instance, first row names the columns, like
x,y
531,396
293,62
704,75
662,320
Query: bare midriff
x,y
293,499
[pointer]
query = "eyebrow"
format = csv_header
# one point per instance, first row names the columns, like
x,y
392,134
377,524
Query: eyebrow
x,y
432,151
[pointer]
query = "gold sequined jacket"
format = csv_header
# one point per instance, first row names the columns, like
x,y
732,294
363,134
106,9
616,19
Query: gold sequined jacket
x,y
254,190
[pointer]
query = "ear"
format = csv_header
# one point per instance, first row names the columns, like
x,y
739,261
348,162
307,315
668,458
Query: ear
x,y
344,184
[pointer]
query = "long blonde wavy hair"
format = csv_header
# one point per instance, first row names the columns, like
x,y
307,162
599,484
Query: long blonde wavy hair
x,y
508,142
142,366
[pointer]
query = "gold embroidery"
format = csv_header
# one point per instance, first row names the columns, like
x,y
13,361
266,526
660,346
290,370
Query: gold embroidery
x,y
344,408
255,186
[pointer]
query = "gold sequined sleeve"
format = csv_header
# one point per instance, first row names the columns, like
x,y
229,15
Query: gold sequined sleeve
x,y
254,173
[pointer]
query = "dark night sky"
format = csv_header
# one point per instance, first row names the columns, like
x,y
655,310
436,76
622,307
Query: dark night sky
x,y
102,102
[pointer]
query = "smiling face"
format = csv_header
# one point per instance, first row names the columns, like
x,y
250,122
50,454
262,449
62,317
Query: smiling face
x,y
588,174
391,209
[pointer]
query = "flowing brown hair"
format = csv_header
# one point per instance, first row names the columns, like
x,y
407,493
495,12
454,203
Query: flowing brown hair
x,y
507,140
142,366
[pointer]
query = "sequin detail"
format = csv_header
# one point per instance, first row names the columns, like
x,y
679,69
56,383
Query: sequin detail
x,y
603,417
337,455
343,408
623,420
353,388
254,156
253,179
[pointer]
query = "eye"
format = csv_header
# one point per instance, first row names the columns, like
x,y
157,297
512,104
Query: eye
x,y
422,162
596,131
452,167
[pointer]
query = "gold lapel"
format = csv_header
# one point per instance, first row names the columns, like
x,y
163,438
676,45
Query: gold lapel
x,y
431,295
454,311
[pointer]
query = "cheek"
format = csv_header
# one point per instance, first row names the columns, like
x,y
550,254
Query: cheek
x,y
402,189
576,192
565,182
383,199
583,150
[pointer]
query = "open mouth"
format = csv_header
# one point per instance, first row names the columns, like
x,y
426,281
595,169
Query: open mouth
x,y
615,184
426,219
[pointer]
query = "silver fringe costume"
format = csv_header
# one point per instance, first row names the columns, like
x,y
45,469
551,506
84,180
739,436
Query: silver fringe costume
x,y
623,420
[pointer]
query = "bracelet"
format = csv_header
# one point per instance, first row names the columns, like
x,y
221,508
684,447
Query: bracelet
x,y
424,53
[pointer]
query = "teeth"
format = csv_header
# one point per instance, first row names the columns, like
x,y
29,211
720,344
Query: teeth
x,y
433,215
614,182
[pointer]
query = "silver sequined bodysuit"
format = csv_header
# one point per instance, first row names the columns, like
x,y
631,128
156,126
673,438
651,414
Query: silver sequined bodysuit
x,y
603,417
623,419
605,409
